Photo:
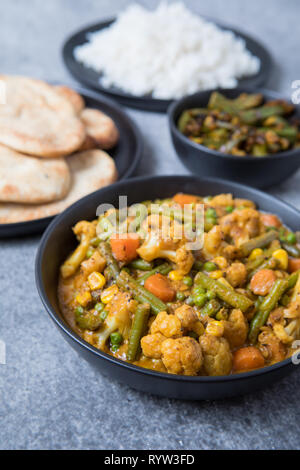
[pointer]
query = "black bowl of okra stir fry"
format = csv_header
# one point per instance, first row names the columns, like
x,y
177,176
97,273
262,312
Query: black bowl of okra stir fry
x,y
147,307
244,135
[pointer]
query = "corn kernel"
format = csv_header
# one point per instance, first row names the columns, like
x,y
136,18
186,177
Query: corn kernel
x,y
216,274
215,328
175,276
109,294
84,298
221,262
256,253
96,280
282,257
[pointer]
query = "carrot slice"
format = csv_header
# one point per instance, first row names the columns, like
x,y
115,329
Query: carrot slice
x,y
270,220
262,282
124,247
248,359
160,287
183,199
294,265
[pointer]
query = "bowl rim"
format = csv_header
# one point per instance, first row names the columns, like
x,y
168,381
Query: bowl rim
x,y
111,359
201,148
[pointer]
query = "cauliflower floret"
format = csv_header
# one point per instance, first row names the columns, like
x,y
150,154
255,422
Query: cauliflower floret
x,y
213,240
182,356
151,345
164,240
167,325
242,225
236,274
119,318
271,346
236,329
84,231
187,316
217,355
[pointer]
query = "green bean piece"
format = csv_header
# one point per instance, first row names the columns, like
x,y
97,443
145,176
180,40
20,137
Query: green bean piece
x,y
141,265
142,295
211,308
291,250
112,264
88,320
161,269
292,280
230,296
258,242
269,303
285,301
180,296
138,328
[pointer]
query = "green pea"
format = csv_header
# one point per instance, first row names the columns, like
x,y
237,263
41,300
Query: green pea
x,y
180,296
95,242
190,301
198,266
209,224
210,214
116,338
200,300
79,311
89,253
229,209
210,267
291,238
99,307
103,315
114,348
188,281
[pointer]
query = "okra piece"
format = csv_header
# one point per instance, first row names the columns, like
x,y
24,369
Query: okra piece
x,y
112,264
221,103
270,302
230,296
258,242
253,116
138,328
161,269
245,101
142,295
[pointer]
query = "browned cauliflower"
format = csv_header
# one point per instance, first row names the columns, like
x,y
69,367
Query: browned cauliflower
x,y
151,345
187,316
271,346
241,225
182,356
236,329
167,325
236,274
163,243
95,263
217,355
213,241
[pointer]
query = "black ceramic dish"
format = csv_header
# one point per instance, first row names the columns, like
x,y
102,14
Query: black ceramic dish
x,y
58,241
126,156
260,172
91,78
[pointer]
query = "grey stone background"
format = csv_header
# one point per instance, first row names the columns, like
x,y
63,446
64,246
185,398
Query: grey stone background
x,y
51,399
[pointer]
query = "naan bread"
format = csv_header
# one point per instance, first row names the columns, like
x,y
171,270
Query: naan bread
x,y
74,98
100,127
37,120
90,170
30,179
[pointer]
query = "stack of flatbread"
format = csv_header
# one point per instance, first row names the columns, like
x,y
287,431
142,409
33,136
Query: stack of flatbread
x,y
52,149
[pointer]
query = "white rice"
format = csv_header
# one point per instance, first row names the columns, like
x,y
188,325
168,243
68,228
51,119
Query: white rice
x,y
169,52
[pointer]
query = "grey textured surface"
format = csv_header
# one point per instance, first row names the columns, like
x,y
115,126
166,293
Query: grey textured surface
x,y
51,399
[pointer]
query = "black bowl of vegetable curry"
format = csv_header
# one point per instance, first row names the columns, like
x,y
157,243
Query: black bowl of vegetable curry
x,y
246,135
205,324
